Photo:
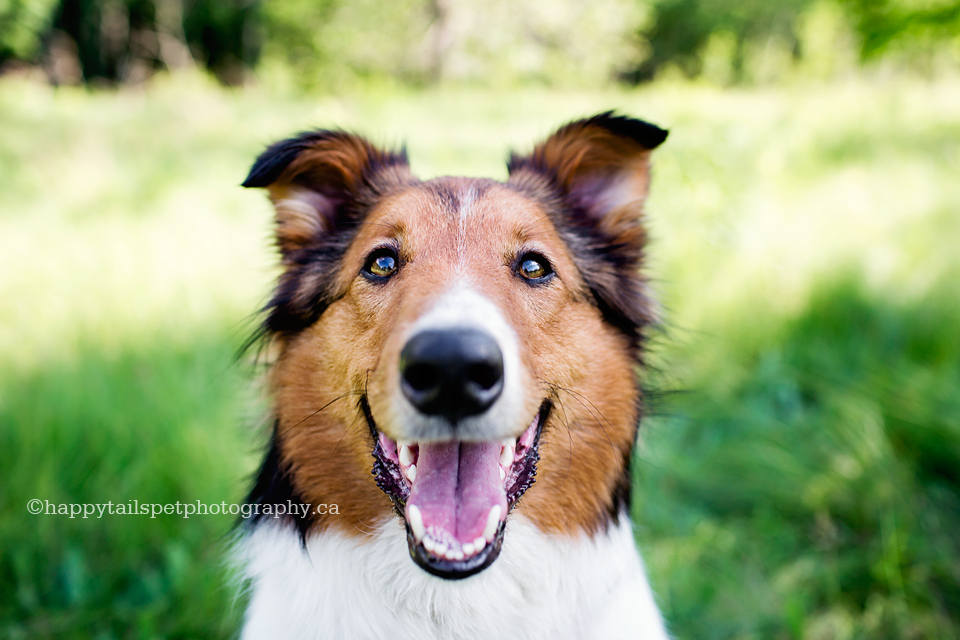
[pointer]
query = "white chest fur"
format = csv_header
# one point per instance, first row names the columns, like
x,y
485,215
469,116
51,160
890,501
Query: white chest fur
x,y
540,587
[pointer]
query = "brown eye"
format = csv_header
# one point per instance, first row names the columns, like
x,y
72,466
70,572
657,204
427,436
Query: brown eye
x,y
381,264
534,268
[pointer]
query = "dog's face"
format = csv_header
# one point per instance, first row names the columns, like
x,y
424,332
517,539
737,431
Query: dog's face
x,y
449,346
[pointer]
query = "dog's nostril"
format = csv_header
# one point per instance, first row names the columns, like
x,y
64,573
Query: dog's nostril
x,y
453,373
485,375
421,377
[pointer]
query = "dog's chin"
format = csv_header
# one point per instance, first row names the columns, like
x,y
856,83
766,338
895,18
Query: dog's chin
x,y
454,497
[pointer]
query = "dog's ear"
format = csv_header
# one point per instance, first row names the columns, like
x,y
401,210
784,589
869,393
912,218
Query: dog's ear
x,y
593,175
599,166
321,181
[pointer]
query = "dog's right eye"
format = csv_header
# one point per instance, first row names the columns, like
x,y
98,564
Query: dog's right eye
x,y
381,264
534,268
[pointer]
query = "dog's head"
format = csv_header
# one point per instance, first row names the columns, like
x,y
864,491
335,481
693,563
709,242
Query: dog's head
x,y
446,347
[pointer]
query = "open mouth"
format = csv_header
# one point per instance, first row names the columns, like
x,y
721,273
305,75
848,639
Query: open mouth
x,y
454,496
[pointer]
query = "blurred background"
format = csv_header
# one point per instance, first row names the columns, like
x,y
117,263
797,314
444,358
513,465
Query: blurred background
x,y
799,475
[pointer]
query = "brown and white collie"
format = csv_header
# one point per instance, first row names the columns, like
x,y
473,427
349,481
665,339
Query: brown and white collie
x,y
455,393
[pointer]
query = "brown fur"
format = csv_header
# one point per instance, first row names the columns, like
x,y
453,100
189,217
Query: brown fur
x,y
576,200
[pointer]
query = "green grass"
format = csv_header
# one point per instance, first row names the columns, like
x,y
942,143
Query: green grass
x,y
799,475
808,486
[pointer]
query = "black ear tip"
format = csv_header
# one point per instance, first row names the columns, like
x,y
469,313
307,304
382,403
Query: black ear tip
x,y
657,136
277,157
642,132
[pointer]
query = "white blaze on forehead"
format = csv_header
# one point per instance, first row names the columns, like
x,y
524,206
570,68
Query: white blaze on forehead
x,y
464,308
467,199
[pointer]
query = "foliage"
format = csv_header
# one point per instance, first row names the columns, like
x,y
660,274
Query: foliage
x,y
685,34
681,29
801,484
127,39
22,23
224,36
330,43
921,24
333,43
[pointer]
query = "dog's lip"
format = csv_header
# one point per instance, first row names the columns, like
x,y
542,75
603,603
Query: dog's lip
x,y
437,552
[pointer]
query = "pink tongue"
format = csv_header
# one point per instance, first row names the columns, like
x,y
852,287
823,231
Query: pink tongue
x,y
457,484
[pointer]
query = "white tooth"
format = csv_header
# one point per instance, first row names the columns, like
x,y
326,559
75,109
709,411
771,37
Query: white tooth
x,y
406,455
510,443
451,554
506,456
458,555
429,544
415,518
479,544
503,475
493,521
411,473
469,549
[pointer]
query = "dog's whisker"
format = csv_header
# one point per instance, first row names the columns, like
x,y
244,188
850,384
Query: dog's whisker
x,y
594,412
366,529
321,409
566,425
353,425
588,401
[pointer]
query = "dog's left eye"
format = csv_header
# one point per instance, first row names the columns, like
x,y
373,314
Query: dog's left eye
x,y
534,268
381,264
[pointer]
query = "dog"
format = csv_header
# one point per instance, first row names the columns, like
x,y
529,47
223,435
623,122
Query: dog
x,y
456,394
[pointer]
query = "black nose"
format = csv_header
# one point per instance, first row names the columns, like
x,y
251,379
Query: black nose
x,y
452,373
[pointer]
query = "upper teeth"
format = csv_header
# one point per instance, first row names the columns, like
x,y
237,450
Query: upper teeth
x,y
409,469
406,455
506,455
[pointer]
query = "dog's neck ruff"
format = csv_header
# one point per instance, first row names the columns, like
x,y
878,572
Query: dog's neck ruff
x,y
350,588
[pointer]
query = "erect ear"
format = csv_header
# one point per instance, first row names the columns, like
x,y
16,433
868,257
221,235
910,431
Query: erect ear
x,y
600,166
322,180
592,175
